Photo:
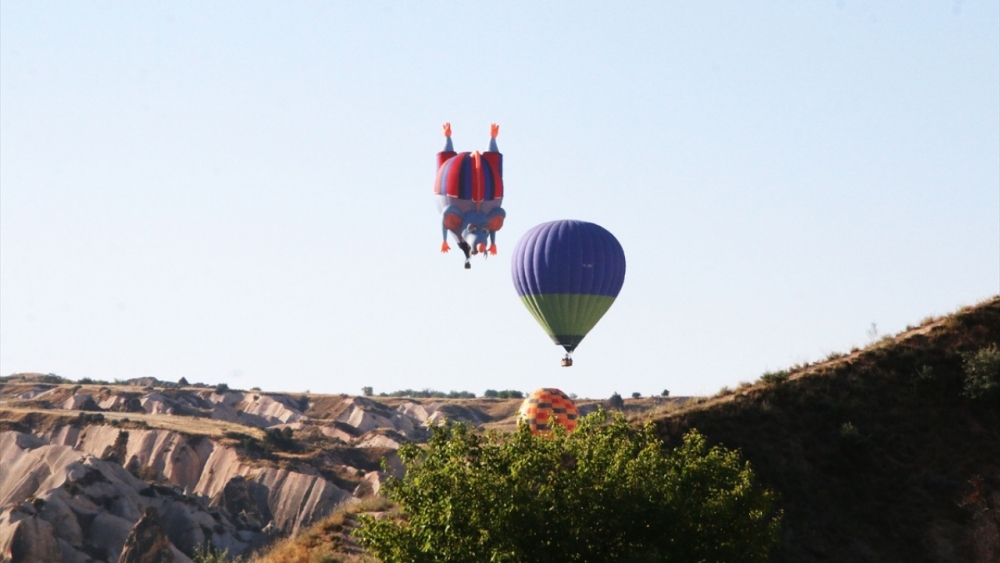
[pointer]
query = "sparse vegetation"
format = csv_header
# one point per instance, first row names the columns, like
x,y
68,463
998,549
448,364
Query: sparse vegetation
x,y
431,394
89,381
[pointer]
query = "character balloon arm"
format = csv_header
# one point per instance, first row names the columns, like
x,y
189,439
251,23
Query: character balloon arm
x,y
447,135
494,224
494,131
451,220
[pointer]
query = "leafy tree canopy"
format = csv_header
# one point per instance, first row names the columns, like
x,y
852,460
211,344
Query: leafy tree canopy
x,y
606,492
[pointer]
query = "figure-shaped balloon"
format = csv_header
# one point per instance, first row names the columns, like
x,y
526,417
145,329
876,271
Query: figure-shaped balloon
x,y
469,191
547,407
568,274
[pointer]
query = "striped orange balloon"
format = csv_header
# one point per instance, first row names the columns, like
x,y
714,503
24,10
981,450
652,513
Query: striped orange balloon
x,y
546,407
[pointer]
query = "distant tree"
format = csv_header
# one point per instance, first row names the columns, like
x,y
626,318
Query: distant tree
x,y
636,395
221,388
606,492
665,393
367,391
491,394
510,394
183,381
616,402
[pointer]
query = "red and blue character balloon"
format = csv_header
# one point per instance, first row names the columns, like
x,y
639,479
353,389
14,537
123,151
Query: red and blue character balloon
x,y
568,273
469,192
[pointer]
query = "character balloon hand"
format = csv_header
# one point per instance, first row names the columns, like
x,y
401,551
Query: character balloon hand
x,y
494,130
444,247
493,249
447,129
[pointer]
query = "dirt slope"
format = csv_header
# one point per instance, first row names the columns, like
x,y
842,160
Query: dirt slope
x,y
877,455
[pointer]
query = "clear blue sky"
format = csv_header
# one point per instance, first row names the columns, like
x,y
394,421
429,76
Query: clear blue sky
x,y
241,191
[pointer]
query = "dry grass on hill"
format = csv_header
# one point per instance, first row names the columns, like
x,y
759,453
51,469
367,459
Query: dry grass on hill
x,y
877,454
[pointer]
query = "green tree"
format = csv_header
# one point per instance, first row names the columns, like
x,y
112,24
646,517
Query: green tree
x,y
606,492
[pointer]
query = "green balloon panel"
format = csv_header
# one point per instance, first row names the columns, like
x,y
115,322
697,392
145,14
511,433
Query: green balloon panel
x,y
567,317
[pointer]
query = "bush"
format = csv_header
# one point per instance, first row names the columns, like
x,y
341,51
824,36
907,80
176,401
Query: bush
x,y
510,394
775,377
636,395
665,393
615,401
279,439
982,374
221,388
491,394
603,493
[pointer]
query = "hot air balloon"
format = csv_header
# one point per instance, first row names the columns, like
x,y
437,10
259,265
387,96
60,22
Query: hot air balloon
x,y
469,192
568,274
546,407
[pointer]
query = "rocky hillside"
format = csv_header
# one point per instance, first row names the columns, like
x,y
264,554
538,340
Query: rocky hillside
x,y
84,465
878,455
227,469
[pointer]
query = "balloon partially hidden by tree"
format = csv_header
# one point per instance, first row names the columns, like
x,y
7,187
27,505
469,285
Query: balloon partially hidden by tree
x,y
606,492
548,407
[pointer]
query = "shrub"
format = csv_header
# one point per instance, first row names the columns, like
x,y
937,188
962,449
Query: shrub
x,y
775,377
636,395
615,401
510,394
279,439
604,493
982,374
221,388
491,394
665,393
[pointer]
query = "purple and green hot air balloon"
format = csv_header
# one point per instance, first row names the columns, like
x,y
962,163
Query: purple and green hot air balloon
x,y
568,273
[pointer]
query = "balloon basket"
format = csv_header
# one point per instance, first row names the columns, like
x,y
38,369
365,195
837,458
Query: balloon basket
x,y
567,361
